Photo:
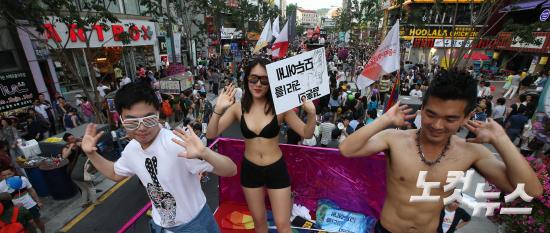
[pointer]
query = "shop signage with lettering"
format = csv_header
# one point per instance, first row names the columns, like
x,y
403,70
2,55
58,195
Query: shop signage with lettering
x,y
231,33
440,43
16,90
408,32
140,32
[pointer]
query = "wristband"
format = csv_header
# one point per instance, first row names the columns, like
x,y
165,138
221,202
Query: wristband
x,y
214,111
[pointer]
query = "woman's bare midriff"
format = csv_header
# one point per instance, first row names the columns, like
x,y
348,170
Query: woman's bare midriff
x,y
262,151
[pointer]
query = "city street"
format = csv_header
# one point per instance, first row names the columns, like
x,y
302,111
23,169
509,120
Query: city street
x,y
80,79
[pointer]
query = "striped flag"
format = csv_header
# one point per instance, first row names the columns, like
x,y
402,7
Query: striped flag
x,y
394,96
280,46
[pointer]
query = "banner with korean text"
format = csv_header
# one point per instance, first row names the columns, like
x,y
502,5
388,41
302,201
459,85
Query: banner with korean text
x,y
290,79
384,60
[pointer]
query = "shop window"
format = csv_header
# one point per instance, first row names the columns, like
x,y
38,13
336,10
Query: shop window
x,y
112,6
131,7
87,5
9,59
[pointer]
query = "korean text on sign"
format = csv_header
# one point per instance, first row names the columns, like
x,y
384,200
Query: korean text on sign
x,y
291,79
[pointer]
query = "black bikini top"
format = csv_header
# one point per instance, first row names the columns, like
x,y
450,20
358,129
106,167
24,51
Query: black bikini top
x,y
271,130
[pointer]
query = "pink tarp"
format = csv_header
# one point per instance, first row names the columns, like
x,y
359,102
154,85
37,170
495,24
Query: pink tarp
x,y
357,184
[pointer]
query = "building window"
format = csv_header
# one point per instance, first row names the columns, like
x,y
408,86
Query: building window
x,y
9,60
112,6
131,7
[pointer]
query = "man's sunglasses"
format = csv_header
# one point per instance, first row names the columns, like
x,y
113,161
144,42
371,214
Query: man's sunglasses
x,y
134,123
253,79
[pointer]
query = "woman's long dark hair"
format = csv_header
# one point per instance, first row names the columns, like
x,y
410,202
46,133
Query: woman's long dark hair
x,y
246,102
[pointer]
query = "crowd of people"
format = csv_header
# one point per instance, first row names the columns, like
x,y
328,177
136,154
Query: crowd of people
x,y
241,91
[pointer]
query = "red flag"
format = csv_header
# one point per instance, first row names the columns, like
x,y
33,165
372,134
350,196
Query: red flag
x,y
280,46
394,96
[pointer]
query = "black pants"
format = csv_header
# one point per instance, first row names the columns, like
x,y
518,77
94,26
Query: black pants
x,y
378,228
215,88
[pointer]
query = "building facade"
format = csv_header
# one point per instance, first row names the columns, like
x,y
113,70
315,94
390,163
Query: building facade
x,y
429,36
307,17
48,74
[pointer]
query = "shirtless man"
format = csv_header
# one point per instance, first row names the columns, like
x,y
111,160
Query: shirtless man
x,y
447,105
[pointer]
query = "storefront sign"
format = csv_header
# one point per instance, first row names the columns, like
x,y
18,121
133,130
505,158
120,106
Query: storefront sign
x,y
448,43
40,50
162,45
304,75
539,42
440,43
170,86
140,32
423,43
408,33
231,33
16,90
544,15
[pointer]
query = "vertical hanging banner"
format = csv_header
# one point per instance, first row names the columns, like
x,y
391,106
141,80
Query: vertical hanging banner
x,y
302,75
384,60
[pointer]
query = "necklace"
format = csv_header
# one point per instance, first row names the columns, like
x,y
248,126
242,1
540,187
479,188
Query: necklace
x,y
421,154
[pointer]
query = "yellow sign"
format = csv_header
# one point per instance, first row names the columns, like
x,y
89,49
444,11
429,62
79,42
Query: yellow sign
x,y
543,60
435,32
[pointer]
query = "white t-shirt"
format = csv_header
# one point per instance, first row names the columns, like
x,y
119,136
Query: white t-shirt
x,y
238,94
448,220
42,110
483,91
125,80
417,93
499,111
102,89
171,182
25,199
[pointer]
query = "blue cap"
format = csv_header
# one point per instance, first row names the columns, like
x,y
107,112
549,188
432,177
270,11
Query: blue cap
x,y
14,182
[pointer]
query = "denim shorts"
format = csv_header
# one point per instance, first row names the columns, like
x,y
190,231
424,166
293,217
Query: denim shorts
x,y
204,222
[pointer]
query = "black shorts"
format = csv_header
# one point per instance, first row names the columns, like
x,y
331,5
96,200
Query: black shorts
x,y
273,176
35,212
378,228
334,108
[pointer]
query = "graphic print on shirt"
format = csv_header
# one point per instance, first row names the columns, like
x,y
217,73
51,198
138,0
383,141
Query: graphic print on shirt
x,y
163,201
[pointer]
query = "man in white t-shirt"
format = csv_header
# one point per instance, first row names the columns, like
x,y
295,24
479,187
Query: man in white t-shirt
x,y
416,92
452,218
125,80
238,92
41,108
22,192
168,163
101,89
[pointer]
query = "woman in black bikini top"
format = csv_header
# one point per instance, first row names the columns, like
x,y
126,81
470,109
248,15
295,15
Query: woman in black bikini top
x,y
263,166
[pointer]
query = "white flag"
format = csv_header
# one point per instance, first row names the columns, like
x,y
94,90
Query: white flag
x,y
265,37
384,60
275,28
280,46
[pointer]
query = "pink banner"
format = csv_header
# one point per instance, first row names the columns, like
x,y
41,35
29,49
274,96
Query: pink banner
x,y
357,184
